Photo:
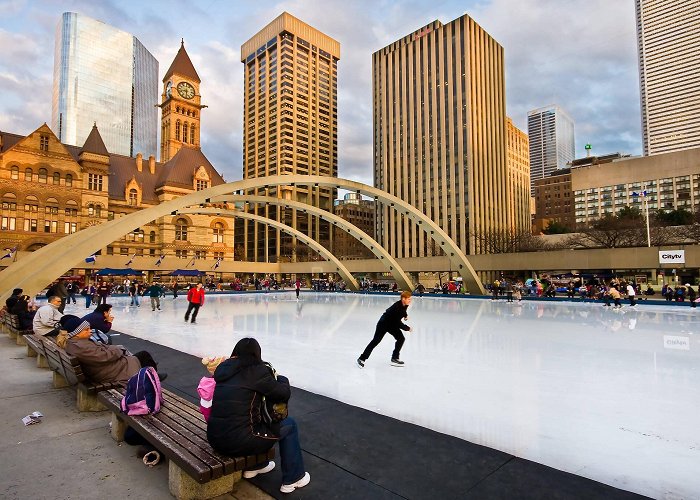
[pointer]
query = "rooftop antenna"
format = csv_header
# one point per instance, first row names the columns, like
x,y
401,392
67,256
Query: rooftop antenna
x,y
588,148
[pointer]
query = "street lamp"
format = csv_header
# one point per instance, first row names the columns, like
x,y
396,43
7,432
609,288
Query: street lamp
x,y
643,195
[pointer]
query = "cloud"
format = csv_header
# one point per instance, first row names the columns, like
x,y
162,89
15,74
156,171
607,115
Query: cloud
x,y
580,55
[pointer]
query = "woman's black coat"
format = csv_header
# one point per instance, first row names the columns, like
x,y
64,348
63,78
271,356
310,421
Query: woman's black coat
x,y
235,426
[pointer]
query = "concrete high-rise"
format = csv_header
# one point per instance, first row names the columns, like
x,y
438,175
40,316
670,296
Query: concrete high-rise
x,y
551,134
104,76
290,126
439,136
668,41
517,147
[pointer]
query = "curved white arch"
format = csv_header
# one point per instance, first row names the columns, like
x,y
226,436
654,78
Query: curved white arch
x,y
36,270
402,279
340,268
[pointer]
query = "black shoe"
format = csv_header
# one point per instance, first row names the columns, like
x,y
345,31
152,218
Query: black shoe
x,y
193,322
162,375
360,362
187,319
396,362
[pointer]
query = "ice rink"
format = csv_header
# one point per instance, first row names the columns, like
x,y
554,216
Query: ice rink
x,y
610,395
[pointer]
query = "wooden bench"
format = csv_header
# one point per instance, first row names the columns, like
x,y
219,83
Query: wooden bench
x,y
12,324
36,349
195,470
68,372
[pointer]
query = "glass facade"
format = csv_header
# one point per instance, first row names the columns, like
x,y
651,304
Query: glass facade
x,y
105,76
551,133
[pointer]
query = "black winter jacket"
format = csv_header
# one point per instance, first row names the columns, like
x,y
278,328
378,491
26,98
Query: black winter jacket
x,y
392,317
235,426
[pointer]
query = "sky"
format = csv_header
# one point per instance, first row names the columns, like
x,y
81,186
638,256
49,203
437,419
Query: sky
x,y
579,54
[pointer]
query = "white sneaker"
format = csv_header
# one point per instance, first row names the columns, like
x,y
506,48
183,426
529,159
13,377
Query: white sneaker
x,y
249,474
288,488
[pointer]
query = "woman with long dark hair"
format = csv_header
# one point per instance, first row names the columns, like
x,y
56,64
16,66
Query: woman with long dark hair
x,y
239,426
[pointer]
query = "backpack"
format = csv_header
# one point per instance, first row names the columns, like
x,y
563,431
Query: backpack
x,y
143,393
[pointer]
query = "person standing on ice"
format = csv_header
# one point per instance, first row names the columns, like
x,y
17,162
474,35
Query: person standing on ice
x,y
195,297
391,322
297,287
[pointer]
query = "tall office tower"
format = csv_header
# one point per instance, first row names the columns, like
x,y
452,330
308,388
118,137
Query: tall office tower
x,y
290,127
668,41
517,147
104,76
439,136
551,134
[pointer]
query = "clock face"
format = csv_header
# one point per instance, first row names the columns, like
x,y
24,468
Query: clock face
x,y
185,90
169,89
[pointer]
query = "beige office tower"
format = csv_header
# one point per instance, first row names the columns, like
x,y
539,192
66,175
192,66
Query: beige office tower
x,y
518,150
439,135
668,41
290,127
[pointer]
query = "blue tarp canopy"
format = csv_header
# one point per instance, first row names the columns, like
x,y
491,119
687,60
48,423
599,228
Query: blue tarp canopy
x,y
187,272
108,271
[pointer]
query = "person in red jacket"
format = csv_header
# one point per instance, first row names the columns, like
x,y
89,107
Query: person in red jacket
x,y
195,297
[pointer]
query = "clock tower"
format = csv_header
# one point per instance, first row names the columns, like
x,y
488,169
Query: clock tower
x,y
181,106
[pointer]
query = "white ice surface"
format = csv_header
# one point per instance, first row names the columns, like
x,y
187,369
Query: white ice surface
x,y
610,395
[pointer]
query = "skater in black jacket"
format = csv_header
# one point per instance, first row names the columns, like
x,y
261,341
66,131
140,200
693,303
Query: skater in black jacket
x,y
391,322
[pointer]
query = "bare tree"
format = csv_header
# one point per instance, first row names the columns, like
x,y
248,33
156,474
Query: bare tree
x,y
509,241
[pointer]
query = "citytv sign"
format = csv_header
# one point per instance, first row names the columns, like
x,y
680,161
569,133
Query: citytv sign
x,y
672,257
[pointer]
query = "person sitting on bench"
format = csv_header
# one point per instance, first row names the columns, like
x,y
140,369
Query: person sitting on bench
x,y
101,363
237,426
47,317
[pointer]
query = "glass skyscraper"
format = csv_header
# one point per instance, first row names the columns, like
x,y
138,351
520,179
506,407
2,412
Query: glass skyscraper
x,y
105,76
551,134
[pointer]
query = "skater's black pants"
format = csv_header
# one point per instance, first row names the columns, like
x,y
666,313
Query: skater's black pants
x,y
379,333
510,296
632,302
297,291
194,309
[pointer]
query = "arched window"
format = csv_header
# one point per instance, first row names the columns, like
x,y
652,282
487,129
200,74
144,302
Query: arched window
x,y
43,174
152,237
192,134
184,132
181,230
56,178
28,174
133,196
177,130
98,211
69,180
218,236
14,173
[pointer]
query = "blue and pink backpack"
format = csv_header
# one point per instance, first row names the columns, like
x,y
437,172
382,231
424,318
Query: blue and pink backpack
x,y
143,393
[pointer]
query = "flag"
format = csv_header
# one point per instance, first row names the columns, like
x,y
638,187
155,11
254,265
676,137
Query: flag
x,y
10,252
91,260
191,263
160,259
131,260
218,261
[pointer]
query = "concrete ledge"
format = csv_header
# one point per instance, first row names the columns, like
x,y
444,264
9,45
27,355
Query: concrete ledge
x,y
41,361
59,382
88,401
118,428
20,340
183,487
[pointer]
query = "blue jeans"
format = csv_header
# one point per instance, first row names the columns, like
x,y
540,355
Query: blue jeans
x,y
135,300
88,301
290,452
